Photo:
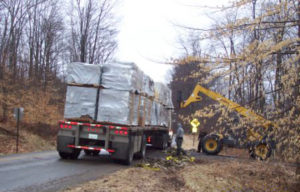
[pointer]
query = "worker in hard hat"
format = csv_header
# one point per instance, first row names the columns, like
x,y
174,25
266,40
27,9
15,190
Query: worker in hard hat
x,y
179,139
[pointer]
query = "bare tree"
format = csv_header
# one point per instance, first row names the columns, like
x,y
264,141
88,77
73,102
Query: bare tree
x,y
93,31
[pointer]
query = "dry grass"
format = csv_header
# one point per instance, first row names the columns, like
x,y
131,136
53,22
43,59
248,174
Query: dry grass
x,y
38,128
216,175
28,141
203,175
241,176
134,180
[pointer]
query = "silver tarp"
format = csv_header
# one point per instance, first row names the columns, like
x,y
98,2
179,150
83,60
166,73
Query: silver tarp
x,y
80,101
169,102
120,101
82,73
122,76
154,113
145,111
118,107
163,94
148,86
163,115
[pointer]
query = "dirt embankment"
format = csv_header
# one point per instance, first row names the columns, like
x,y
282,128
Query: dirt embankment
x,y
32,138
202,175
206,173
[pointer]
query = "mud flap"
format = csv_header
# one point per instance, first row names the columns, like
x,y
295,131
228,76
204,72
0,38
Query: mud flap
x,y
121,150
63,142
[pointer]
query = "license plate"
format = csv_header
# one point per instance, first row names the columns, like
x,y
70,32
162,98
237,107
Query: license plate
x,y
93,136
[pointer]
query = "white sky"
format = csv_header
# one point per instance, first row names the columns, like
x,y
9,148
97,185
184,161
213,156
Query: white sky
x,y
147,35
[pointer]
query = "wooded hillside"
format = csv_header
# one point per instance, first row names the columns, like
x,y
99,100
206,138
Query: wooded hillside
x,y
37,39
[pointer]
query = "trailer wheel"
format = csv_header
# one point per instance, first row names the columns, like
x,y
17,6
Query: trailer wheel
x,y
64,155
87,152
211,145
95,153
142,153
165,142
129,158
90,152
74,155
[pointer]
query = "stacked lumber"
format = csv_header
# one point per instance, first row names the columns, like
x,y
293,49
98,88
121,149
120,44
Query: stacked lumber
x,y
117,93
119,101
83,84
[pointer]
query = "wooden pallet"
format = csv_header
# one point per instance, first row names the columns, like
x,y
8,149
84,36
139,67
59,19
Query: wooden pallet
x,y
85,85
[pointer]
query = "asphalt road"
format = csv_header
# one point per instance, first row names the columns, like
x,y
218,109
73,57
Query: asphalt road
x,y
45,171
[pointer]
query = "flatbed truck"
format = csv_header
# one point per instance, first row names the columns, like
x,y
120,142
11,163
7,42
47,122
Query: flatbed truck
x,y
121,142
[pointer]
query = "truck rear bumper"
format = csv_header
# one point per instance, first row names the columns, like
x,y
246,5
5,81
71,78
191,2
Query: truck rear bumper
x,y
105,151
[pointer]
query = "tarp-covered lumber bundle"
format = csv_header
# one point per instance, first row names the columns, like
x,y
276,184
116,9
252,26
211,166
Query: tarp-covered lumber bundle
x,y
82,73
122,76
80,101
123,95
163,94
118,106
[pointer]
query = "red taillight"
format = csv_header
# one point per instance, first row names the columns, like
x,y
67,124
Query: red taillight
x,y
121,132
149,139
65,126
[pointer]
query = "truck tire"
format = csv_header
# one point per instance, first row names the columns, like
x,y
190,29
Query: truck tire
x,y
165,142
74,155
129,158
90,152
87,152
95,153
261,151
64,155
142,153
211,145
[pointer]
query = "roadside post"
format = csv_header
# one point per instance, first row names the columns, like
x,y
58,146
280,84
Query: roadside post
x,y
195,123
18,115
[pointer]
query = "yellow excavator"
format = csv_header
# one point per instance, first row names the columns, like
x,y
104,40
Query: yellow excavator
x,y
211,144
